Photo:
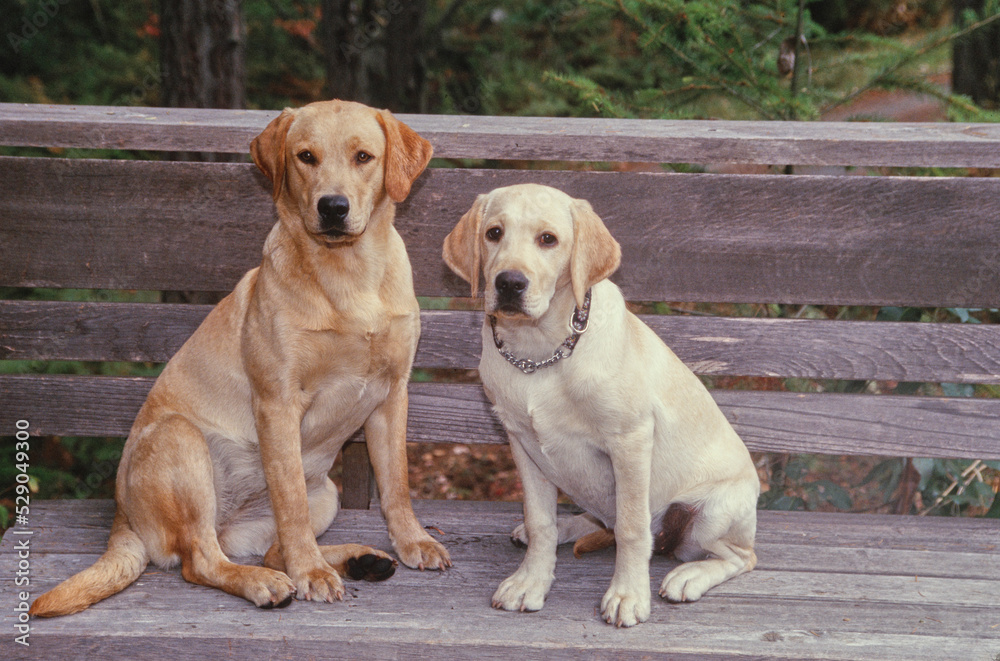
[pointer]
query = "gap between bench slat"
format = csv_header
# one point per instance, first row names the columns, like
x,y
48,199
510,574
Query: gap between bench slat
x,y
685,237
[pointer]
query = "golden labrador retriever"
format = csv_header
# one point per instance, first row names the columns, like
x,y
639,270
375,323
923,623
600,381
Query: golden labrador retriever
x,y
595,404
230,453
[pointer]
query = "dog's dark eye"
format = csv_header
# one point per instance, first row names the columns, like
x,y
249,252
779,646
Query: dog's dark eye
x,y
306,157
362,157
494,233
547,239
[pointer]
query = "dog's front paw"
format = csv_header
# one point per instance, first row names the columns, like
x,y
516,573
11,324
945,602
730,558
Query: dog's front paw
x,y
319,584
521,592
271,589
687,582
624,607
424,554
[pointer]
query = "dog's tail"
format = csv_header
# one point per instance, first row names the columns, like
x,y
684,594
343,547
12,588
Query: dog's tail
x,y
121,564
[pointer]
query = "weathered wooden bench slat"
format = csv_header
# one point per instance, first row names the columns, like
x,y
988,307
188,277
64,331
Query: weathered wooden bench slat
x,y
823,423
530,138
803,348
685,237
872,599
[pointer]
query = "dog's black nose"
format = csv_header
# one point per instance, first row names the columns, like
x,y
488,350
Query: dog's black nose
x,y
333,210
510,285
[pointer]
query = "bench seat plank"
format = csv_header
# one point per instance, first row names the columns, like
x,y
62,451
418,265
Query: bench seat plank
x,y
685,237
804,348
813,596
531,138
823,423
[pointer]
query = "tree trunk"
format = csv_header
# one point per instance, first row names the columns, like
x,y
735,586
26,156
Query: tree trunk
x,y
976,60
345,49
202,65
402,88
202,54
372,51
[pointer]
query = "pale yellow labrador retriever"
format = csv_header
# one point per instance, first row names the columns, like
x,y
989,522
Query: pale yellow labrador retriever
x,y
595,404
230,453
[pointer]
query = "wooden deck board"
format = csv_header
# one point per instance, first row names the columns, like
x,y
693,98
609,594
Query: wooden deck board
x,y
828,587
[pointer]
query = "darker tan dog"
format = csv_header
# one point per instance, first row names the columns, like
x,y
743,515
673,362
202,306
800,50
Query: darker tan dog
x,y
230,453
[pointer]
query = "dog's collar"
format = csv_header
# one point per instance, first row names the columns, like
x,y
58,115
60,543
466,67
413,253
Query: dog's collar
x,y
578,325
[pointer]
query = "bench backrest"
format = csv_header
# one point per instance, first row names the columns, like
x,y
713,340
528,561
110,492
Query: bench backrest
x,y
927,241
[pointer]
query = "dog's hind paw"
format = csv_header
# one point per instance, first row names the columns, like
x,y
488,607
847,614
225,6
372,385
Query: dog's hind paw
x,y
687,582
370,567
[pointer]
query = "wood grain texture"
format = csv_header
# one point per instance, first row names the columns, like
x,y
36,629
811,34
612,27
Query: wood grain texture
x,y
848,605
826,587
804,348
821,423
724,238
358,478
785,541
531,138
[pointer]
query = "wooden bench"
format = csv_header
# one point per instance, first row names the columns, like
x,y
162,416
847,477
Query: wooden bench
x,y
828,585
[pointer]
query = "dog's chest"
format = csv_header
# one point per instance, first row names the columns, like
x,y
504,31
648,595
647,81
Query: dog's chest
x,y
351,375
569,450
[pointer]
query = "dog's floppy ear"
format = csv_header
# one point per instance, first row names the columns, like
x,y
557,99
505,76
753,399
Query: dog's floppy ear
x,y
463,246
406,155
268,149
596,254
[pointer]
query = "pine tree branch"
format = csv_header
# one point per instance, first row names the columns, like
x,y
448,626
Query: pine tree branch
x,y
683,57
920,52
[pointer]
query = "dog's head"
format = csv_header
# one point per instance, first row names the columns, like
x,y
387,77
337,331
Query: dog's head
x,y
530,241
331,163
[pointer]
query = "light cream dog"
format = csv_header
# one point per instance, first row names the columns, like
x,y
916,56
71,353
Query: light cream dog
x,y
620,425
230,453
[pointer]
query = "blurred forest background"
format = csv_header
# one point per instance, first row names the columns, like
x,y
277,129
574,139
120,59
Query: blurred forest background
x,y
860,60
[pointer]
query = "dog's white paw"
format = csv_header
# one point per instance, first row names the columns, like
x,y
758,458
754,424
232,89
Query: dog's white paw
x,y
625,607
521,592
687,582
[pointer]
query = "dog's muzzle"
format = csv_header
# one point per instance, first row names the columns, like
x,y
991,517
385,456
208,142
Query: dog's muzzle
x,y
333,211
510,287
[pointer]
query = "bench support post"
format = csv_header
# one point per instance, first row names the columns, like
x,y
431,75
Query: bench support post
x,y
358,482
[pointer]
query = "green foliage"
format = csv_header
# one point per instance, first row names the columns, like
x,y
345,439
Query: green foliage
x,y
99,52
951,486
284,60
719,58
794,490
72,467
